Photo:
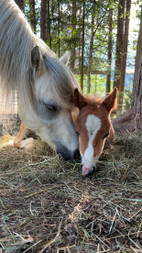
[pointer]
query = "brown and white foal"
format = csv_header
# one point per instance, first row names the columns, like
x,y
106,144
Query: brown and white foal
x,y
92,122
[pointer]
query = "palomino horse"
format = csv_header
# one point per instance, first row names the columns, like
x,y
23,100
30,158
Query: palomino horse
x,y
44,84
92,122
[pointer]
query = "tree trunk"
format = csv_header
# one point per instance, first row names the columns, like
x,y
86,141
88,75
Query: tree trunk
x,y
48,25
20,3
43,21
82,55
96,78
136,103
119,44
124,54
138,54
33,15
125,45
90,53
80,39
108,83
73,53
131,120
59,23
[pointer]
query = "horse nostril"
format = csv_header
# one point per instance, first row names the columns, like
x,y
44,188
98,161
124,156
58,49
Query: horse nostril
x,y
64,152
76,155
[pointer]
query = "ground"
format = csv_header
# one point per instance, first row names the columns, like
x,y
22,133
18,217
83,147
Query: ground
x,y
47,206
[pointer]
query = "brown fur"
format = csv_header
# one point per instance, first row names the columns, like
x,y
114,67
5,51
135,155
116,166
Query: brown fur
x,y
102,108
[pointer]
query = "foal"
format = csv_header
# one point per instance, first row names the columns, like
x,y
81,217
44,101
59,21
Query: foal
x,y
92,122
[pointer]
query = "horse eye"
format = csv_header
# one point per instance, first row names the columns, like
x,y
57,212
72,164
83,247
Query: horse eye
x,y
106,135
52,108
77,132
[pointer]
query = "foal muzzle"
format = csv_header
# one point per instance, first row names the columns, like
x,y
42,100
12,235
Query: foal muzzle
x,y
87,171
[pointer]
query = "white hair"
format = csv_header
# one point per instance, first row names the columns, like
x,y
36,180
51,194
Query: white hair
x,y
28,66
16,43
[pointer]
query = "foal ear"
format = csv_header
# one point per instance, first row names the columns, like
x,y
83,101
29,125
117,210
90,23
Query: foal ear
x,y
65,58
79,100
110,102
36,59
75,114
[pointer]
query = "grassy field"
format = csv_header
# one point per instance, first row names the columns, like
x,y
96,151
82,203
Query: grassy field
x,y
47,206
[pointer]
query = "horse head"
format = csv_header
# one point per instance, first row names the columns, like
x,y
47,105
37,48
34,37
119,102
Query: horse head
x,y
48,112
43,83
92,122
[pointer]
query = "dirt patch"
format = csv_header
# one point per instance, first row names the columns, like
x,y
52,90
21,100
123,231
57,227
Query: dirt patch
x,y
47,206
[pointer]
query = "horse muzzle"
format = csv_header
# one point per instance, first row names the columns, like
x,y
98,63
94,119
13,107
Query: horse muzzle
x,y
67,154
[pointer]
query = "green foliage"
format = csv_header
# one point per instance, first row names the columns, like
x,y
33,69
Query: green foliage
x,y
66,33
98,84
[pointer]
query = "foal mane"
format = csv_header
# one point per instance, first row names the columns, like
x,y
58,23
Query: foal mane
x,y
16,43
93,100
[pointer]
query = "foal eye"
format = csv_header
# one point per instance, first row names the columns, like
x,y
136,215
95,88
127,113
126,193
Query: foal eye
x,y
52,108
106,135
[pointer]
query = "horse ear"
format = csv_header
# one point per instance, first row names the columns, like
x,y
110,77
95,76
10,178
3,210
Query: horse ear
x,y
65,58
79,100
36,59
110,102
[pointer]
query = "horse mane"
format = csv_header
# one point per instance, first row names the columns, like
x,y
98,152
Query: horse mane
x,y
16,42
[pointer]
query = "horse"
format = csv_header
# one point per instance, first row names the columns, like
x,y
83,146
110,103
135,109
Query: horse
x,y
93,124
43,82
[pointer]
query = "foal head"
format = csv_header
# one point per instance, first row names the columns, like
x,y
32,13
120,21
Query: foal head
x,y
93,126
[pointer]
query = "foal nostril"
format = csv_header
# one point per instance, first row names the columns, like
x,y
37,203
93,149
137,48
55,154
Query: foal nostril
x,y
91,172
87,171
76,155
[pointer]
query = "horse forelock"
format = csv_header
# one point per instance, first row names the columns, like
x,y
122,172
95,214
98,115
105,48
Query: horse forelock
x,y
63,80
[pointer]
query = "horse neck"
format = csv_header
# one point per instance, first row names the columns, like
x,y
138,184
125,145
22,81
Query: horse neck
x,y
16,43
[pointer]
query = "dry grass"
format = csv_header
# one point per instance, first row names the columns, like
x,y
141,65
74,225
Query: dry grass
x,y
46,206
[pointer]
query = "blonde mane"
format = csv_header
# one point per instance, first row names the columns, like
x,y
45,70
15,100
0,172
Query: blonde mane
x,y
16,42
93,99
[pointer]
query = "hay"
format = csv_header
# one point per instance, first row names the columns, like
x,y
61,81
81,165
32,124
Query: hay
x,y
46,206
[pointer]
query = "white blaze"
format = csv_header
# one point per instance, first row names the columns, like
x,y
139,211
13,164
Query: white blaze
x,y
93,125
